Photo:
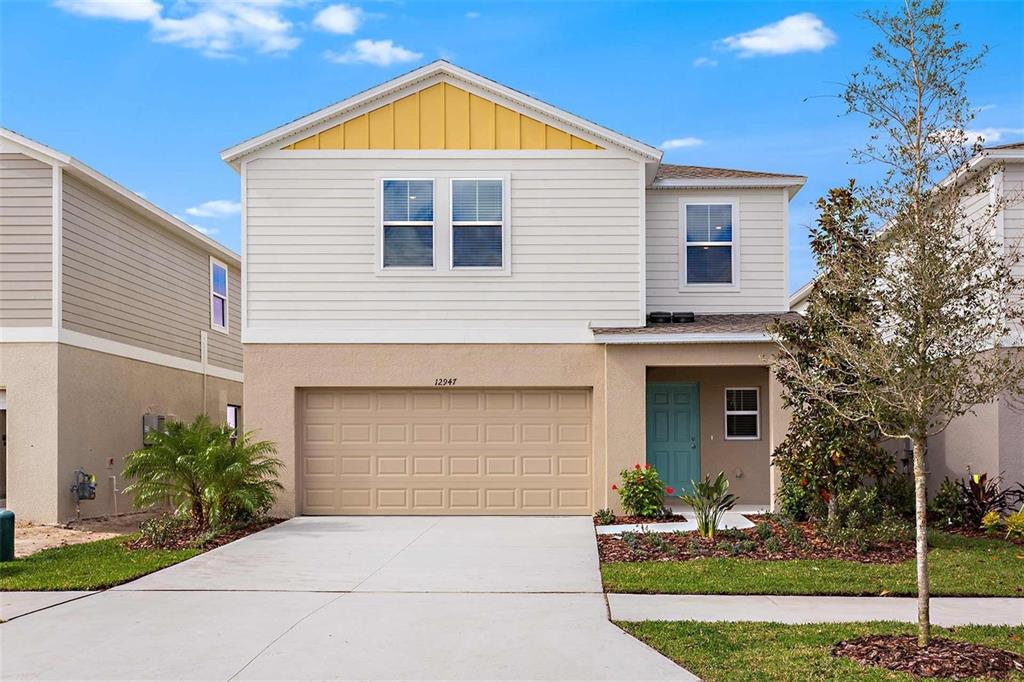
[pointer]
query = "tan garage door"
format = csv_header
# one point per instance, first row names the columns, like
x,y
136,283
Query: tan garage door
x,y
446,451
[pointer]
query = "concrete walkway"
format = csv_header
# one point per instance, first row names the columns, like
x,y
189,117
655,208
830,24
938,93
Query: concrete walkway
x,y
945,611
15,604
352,598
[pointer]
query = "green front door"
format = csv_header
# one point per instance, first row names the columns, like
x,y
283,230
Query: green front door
x,y
673,433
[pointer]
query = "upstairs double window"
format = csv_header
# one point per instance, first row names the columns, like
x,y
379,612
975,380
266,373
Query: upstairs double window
x,y
473,210
708,244
218,295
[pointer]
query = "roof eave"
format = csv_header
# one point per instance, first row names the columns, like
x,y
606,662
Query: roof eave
x,y
793,183
698,337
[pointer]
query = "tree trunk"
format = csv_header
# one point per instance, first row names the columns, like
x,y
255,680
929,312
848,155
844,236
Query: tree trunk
x,y
921,503
833,507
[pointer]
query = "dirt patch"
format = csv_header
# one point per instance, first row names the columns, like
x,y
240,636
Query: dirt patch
x,y
941,658
30,538
185,537
675,518
770,539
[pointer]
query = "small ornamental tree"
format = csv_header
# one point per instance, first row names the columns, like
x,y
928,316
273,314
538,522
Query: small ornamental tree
x,y
823,451
642,492
944,305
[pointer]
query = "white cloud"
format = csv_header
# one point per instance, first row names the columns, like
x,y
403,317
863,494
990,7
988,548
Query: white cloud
x,y
803,32
125,10
218,208
993,135
208,231
682,143
472,15
985,107
378,52
340,19
217,28
705,62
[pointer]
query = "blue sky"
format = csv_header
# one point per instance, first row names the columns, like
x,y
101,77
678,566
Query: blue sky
x,y
149,91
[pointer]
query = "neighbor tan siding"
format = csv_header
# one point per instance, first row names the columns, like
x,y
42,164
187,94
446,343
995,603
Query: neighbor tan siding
x,y
312,254
760,236
128,279
26,242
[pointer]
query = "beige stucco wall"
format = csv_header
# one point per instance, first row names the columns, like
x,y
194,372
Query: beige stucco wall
x,y
28,373
87,406
617,376
745,462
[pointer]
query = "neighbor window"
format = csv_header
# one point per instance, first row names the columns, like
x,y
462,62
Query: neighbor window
x,y
742,414
708,235
234,420
477,223
408,210
218,295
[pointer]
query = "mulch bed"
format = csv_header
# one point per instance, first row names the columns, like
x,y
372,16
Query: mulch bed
x,y
941,658
675,518
794,541
186,538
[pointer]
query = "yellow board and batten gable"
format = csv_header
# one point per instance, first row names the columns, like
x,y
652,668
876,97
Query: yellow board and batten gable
x,y
442,116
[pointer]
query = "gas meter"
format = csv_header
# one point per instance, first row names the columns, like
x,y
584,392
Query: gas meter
x,y
84,487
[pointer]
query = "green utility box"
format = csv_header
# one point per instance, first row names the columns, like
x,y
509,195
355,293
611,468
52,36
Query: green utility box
x,y
6,535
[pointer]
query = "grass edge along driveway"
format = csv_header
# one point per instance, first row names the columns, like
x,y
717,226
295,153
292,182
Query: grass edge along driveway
x,y
958,567
86,566
719,652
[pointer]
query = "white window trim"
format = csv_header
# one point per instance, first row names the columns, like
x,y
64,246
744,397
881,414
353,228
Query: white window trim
x,y
757,412
734,203
412,223
227,296
504,269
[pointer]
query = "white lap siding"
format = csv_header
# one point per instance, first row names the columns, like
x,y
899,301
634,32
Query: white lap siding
x,y
759,235
312,256
26,242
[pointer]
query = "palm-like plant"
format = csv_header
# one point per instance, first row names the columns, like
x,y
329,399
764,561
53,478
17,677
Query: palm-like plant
x,y
205,474
710,500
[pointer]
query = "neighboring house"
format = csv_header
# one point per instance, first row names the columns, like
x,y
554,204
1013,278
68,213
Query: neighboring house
x,y
991,440
111,312
446,292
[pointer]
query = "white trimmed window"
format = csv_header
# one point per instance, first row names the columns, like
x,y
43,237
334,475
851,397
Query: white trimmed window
x,y
218,295
708,237
742,414
477,224
408,223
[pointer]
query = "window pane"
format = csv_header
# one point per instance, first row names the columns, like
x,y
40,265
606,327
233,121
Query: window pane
x,y
476,201
421,200
220,311
408,247
697,217
220,280
741,400
720,216
233,416
741,426
396,200
709,264
476,247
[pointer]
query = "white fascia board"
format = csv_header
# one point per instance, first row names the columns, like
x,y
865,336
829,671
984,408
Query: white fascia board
x,y
641,338
84,172
437,70
102,345
409,335
792,183
801,294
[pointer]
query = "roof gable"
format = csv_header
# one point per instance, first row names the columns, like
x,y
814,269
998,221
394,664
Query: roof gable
x,y
442,116
536,120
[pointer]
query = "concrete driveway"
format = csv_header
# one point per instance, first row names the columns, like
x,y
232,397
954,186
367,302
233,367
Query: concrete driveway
x,y
351,598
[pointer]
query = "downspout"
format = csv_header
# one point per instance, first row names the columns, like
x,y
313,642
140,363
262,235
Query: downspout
x,y
204,344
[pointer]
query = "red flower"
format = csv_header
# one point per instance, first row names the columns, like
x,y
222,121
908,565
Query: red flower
x,y
614,487
638,467
647,466
669,490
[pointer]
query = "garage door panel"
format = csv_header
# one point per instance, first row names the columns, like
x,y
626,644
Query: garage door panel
x,y
457,451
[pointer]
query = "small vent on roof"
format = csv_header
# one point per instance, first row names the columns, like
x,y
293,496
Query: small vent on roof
x,y
659,318
682,318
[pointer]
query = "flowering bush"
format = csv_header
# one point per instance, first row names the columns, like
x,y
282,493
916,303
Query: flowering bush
x,y
642,492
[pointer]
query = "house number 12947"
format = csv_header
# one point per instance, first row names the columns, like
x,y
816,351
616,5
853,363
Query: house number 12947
x,y
445,381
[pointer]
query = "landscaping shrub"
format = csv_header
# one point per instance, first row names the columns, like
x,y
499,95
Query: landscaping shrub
x,y
1015,526
965,503
710,500
992,523
642,492
896,492
949,506
604,516
798,501
213,477
164,531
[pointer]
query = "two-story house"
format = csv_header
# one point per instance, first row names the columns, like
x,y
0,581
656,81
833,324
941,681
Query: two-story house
x,y
453,297
991,439
113,316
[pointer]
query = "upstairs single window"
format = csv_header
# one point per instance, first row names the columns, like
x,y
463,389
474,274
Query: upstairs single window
x,y
742,414
408,210
477,223
709,244
218,295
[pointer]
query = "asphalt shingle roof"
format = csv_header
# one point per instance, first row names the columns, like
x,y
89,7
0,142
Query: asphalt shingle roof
x,y
671,171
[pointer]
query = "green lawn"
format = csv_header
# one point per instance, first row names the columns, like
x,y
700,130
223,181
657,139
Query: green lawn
x,y
773,651
87,566
959,567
